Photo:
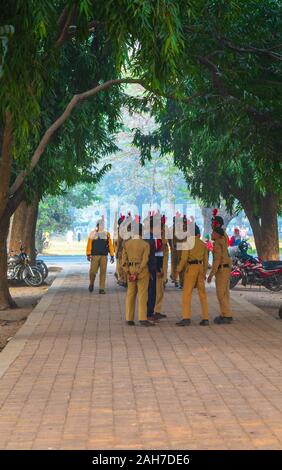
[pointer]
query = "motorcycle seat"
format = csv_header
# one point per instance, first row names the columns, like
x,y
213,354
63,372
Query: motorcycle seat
x,y
272,265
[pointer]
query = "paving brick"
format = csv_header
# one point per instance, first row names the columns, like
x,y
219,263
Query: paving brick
x,y
77,377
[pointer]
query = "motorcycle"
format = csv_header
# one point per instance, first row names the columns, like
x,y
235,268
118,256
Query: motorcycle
x,y
252,271
19,269
42,266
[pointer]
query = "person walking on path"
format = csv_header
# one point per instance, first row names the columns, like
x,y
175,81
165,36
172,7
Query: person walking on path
x,y
99,245
221,270
194,262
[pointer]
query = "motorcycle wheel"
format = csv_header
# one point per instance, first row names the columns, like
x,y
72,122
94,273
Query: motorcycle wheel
x,y
43,268
34,280
275,285
234,281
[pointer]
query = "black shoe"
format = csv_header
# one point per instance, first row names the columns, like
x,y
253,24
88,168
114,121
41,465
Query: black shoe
x,y
91,287
204,323
221,320
102,291
159,316
131,323
184,322
176,284
146,323
153,319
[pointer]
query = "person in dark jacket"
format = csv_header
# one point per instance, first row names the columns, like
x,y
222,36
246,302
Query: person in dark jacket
x,y
152,267
99,245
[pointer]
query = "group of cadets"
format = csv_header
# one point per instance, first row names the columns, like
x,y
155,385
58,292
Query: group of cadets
x,y
142,265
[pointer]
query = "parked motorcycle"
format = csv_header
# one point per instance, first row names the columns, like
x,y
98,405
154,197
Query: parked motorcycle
x,y
252,271
42,266
19,269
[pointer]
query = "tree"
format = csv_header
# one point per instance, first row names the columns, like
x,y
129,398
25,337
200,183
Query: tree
x,y
151,33
219,162
222,119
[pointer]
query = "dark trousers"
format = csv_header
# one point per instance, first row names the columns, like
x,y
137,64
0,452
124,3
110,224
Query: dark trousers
x,y
152,291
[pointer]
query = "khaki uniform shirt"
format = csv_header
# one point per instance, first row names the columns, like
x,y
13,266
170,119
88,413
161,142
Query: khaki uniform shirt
x,y
198,252
220,254
135,256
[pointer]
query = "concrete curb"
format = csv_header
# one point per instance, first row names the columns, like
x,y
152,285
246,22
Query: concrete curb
x,y
18,342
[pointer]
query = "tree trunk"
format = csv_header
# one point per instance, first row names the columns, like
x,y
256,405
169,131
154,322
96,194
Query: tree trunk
x,y
5,297
255,225
5,162
5,174
30,229
269,228
18,228
23,229
265,230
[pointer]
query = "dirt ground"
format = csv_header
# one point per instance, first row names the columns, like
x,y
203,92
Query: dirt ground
x,y
26,298
266,300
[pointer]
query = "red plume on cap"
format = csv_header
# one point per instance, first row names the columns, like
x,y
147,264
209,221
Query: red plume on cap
x,y
163,219
121,218
214,212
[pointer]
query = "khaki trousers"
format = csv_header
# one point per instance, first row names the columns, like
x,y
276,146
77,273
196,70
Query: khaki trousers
x,y
165,265
159,294
178,276
120,271
96,263
137,288
222,280
194,277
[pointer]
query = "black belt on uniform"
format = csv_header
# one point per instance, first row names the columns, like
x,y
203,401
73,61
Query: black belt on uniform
x,y
224,266
195,261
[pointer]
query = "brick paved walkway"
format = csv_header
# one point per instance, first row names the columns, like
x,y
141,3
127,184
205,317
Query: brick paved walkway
x,y
77,377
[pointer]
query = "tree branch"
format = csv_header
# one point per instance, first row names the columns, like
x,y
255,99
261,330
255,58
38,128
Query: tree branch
x,y
249,49
65,22
261,117
76,99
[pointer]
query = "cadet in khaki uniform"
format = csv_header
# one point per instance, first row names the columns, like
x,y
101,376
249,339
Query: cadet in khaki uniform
x,y
120,274
195,263
217,221
99,245
221,270
135,256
